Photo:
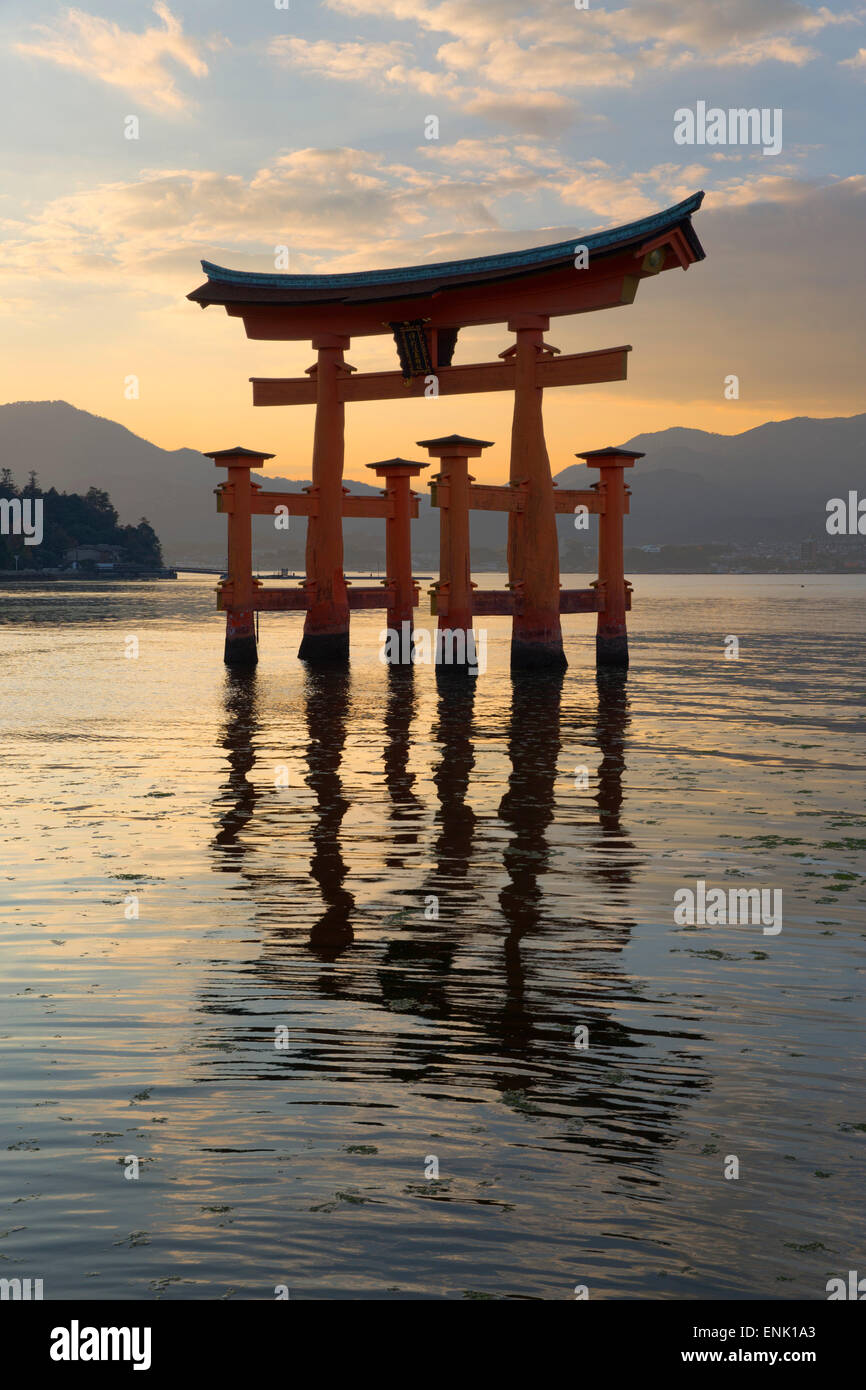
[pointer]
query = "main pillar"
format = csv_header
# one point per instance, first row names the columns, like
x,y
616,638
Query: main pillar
x,y
611,642
533,550
402,589
237,592
326,627
455,642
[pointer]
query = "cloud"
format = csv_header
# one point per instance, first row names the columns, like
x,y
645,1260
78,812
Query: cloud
x,y
776,285
538,113
858,61
106,53
609,196
711,32
380,64
390,64
344,207
347,208
521,66
569,61
468,18
562,48
778,49
321,203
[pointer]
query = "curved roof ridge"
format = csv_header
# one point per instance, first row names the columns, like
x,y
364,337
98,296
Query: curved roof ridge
x,y
506,260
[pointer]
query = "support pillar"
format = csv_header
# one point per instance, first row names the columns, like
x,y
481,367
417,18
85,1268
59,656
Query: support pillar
x,y
533,550
234,497
402,589
326,627
455,642
611,642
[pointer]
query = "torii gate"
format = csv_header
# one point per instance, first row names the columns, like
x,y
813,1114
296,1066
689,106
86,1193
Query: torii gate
x,y
425,307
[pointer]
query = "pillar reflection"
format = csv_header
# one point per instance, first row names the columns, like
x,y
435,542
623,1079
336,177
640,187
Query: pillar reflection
x,y
238,796
326,709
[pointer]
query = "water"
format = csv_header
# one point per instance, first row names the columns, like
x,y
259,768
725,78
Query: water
x,y
309,908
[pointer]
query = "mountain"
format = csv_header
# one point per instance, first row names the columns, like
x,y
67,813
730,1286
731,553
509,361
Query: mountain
x,y
73,450
771,483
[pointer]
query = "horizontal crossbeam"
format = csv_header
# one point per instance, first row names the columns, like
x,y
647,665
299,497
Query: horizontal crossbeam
x,y
297,503
488,602
380,507
512,498
579,601
566,499
573,369
307,504
490,498
264,600
295,600
508,602
280,600
369,597
265,503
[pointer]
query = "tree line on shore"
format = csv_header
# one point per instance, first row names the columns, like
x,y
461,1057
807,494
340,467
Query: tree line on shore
x,y
71,520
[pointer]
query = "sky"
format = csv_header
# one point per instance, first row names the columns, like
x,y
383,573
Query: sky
x,y
262,124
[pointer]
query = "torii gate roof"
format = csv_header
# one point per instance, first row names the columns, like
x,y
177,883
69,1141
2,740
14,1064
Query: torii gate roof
x,y
483,289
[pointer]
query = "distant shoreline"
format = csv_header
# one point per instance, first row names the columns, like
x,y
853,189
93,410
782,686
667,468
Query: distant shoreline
x,y
9,579
16,577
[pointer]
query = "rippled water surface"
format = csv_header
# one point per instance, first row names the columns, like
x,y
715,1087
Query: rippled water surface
x,y
289,1038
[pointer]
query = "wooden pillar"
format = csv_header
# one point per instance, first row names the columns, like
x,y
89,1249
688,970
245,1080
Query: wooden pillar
x,y
533,550
237,592
611,642
402,589
326,627
452,595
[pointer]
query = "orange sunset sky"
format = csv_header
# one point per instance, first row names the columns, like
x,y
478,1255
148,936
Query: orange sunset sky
x,y
259,127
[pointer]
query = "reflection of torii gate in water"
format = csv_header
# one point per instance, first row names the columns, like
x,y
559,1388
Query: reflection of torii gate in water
x,y
510,1021
425,307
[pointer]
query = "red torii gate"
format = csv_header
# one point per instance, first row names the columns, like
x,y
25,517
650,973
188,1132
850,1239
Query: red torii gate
x,y
425,307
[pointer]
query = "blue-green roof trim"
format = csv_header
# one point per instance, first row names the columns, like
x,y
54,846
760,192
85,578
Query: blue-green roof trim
x,y
506,261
